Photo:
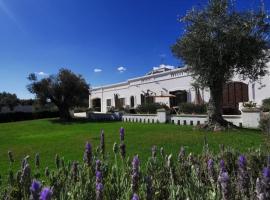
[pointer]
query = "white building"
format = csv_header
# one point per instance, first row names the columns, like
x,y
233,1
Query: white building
x,y
171,87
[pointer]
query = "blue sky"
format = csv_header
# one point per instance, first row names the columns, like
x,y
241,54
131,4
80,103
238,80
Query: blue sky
x,y
95,38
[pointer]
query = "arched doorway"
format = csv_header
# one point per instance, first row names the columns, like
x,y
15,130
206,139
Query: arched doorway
x,y
96,104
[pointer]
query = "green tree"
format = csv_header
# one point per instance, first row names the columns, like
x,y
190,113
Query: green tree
x,y
220,42
66,90
9,100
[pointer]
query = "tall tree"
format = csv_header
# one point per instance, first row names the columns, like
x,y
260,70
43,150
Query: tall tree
x,y
220,42
65,89
9,100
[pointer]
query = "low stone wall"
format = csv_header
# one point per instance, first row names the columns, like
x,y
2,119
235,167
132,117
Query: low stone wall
x,y
248,119
147,118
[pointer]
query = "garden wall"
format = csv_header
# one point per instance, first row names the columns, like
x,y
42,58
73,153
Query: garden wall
x,y
246,119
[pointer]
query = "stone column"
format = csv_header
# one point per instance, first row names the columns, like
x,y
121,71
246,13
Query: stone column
x,y
161,114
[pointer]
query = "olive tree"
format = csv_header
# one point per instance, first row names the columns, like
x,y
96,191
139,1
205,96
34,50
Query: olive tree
x,y
66,90
220,42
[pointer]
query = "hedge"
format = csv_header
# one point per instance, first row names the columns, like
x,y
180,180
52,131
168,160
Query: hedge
x,y
20,116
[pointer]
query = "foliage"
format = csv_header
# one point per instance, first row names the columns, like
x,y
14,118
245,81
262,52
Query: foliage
x,y
265,123
191,108
9,100
266,105
21,116
218,43
226,175
150,108
66,90
249,104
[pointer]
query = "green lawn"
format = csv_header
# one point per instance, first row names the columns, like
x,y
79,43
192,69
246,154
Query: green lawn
x,y
49,137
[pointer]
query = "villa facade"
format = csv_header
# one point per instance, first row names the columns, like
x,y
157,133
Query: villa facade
x,y
172,87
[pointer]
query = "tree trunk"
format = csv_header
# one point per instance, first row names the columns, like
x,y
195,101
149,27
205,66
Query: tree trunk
x,y
64,113
216,121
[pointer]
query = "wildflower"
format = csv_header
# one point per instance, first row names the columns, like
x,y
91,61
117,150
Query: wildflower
x,y
37,160
123,150
122,134
75,171
263,185
10,157
46,194
88,154
222,166
224,181
24,161
98,176
25,179
135,174
35,190
243,177
135,197
154,151
211,169
162,152
99,191
115,148
149,190
98,165
181,154
102,142
57,161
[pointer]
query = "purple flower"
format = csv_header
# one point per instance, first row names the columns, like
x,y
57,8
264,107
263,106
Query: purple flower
x,y
222,166
46,194
98,165
123,150
122,134
37,160
98,176
266,172
35,189
102,142
99,186
135,162
224,181
88,154
242,161
210,164
135,197
99,190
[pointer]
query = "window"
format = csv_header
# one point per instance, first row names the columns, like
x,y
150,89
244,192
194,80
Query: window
x,y
109,102
132,102
121,102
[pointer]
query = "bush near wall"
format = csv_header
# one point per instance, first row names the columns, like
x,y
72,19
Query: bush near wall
x,y
191,108
265,123
20,116
266,105
150,108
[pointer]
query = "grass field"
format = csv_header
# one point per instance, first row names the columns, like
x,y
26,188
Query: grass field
x,y
49,137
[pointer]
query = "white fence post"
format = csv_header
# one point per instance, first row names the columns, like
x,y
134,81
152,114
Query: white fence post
x,y
161,115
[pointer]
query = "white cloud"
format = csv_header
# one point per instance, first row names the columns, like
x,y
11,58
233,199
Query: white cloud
x,y
97,70
41,73
164,66
121,69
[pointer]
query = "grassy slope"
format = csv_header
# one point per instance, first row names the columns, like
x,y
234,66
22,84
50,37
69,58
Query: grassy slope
x,y
48,138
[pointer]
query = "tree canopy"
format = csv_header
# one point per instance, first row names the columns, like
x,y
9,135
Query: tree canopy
x,y
65,89
9,100
220,42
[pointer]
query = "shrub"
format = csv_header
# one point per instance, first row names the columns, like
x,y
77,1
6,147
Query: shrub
x,y
249,104
150,108
265,123
190,108
266,105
